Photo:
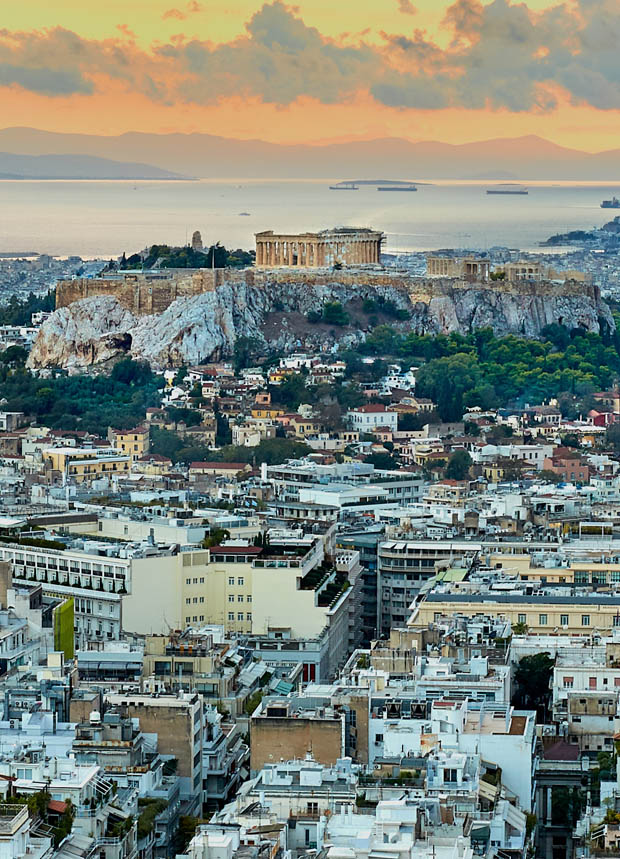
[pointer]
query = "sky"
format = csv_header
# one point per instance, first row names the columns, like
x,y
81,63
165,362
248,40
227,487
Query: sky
x,y
317,71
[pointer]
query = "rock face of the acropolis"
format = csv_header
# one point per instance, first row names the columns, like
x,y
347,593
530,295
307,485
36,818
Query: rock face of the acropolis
x,y
347,246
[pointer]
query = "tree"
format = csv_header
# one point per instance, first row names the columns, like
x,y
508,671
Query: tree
x,y
612,435
291,392
532,678
335,314
458,465
215,537
245,351
180,375
382,461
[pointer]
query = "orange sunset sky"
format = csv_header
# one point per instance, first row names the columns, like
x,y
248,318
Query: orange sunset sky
x,y
316,71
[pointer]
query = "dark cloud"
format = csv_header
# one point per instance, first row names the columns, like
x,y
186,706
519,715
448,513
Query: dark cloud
x,y
406,7
500,55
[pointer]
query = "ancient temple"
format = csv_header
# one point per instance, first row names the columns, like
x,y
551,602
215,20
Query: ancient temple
x,y
346,246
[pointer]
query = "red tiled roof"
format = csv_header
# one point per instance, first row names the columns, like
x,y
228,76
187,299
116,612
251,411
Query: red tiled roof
x,y
370,408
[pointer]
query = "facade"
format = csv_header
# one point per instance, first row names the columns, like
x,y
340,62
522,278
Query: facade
x,y
343,245
177,721
372,416
84,464
134,443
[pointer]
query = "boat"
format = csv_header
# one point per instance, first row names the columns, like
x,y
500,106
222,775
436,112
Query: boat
x,y
344,186
614,203
397,188
244,214
508,189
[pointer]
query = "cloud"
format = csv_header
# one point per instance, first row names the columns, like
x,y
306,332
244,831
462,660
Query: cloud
x,y
406,7
191,9
501,55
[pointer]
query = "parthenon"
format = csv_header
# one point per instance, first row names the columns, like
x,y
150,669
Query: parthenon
x,y
343,245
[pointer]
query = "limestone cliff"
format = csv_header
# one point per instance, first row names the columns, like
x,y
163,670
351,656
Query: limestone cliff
x,y
191,329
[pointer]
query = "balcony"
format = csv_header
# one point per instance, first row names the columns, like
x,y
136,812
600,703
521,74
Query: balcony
x,y
12,818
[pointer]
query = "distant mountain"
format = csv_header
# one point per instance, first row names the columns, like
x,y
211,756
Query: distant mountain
x,y
72,166
209,156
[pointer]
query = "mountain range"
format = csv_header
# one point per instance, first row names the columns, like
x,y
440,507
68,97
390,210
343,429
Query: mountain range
x,y
75,166
136,155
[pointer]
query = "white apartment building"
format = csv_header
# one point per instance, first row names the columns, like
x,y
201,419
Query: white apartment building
x,y
372,416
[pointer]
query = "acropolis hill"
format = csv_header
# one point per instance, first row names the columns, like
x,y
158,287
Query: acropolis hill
x,y
174,316
150,292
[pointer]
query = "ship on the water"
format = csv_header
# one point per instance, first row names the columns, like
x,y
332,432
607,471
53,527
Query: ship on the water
x,y
397,188
508,189
614,203
344,186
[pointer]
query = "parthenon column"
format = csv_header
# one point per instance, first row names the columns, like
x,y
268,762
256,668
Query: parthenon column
x,y
289,253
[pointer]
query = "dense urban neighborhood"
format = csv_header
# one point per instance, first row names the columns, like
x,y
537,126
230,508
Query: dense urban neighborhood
x,y
353,597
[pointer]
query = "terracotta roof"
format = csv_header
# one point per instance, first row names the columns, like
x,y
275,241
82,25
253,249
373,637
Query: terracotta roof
x,y
57,806
370,408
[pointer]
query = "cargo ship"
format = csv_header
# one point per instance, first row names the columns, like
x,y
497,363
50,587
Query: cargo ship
x,y
614,203
397,188
508,189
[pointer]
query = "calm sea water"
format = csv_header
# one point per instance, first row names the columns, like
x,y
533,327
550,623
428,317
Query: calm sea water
x,y
106,218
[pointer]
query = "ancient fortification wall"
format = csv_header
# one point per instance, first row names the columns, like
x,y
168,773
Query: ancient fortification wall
x,y
147,293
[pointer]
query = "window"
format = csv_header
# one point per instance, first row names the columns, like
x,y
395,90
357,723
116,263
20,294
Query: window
x,y
195,599
249,598
616,620
592,683
231,580
187,601
542,620
563,620
240,580
240,615
249,616
195,618
231,597
188,581
202,580
231,615
187,620
450,776
240,598
585,620
567,682
202,617
202,599
521,618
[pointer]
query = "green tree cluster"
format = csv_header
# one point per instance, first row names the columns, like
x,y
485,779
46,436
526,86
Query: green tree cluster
x,y
217,256
18,311
86,402
479,369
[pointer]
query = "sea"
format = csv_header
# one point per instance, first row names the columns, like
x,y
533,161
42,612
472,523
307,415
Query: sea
x,y
104,218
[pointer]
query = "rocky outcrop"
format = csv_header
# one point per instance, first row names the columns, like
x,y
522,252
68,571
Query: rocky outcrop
x,y
95,330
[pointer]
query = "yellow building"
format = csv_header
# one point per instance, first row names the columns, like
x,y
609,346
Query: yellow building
x,y
266,411
83,464
133,442
542,613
